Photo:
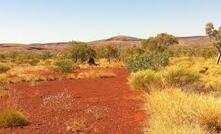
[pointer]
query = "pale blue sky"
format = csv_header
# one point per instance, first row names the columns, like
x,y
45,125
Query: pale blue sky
x,y
29,21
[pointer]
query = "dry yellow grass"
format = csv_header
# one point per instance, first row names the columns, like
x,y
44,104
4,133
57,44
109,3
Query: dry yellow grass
x,y
12,118
210,73
76,126
145,80
103,63
21,73
176,112
92,74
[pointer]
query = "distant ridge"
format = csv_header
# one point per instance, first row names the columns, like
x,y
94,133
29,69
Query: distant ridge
x,y
123,38
117,41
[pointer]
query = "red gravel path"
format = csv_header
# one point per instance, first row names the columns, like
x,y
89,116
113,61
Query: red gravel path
x,y
105,106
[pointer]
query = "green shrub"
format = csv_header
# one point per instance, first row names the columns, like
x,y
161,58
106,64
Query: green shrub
x,y
4,68
65,66
180,76
11,118
145,80
152,60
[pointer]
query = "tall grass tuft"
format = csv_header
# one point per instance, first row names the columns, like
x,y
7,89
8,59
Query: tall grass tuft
x,y
11,118
92,74
176,112
4,68
180,76
145,80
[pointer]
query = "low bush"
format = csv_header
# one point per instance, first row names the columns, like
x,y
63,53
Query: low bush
x,y
33,62
65,66
145,80
152,60
3,77
4,67
180,76
11,118
96,74
176,112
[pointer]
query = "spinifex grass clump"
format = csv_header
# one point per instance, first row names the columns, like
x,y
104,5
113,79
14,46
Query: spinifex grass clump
x,y
12,118
65,66
145,80
175,76
4,68
176,112
180,76
92,74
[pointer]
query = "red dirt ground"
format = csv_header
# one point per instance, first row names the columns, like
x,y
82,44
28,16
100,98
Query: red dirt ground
x,y
105,106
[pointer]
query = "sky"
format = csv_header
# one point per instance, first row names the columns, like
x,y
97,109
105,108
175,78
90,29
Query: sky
x,y
39,21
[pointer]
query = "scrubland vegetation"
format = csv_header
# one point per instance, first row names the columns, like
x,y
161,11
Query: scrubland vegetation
x,y
181,97
181,84
184,96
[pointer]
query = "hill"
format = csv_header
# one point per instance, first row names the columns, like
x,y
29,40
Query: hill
x,y
117,41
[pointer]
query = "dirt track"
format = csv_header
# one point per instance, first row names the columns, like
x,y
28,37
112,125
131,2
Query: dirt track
x,y
103,106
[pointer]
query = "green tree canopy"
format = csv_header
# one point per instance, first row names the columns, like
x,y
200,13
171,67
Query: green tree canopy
x,y
159,43
108,52
81,51
130,52
215,37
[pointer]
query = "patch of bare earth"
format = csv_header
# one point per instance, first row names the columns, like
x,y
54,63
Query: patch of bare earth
x,y
101,106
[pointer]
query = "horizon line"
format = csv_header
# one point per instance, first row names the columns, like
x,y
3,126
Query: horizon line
x,y
51,42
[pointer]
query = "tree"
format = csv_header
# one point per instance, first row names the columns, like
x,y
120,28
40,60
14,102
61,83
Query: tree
x,y
130,52
215,37
107,52
159,43
81,51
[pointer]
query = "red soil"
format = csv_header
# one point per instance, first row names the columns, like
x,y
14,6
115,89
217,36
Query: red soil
x,y
105,106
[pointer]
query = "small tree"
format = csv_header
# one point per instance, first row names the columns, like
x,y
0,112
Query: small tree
x,y
81,51
159,43
130,52
215,37
107,52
